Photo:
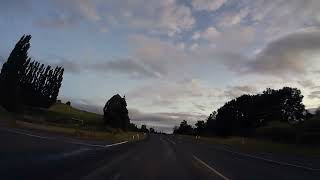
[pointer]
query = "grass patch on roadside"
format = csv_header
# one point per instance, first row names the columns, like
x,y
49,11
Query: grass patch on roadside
x,y
58,119
265,146
115,136
69,111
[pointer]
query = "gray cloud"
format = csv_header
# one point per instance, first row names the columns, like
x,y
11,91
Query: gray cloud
x,y
171,17
314,95
288,55
306,83
236,91
68,13
121,65
126,66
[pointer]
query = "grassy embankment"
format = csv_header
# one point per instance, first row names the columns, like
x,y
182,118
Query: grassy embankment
x,y
65,120
268,140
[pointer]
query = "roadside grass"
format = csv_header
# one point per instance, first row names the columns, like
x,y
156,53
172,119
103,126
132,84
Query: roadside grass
x,y
115,136
59,119
63,114
69,111
264,146
277,137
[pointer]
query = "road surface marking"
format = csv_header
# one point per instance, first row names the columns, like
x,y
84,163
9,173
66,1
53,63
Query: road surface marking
x,y
115,144
71,142
209,167
85,144
27,134
269,160
172,141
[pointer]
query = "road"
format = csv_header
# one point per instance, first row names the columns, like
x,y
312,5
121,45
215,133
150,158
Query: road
x,y
26,155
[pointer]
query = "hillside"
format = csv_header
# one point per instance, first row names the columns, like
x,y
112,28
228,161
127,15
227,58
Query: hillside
x,y
71,112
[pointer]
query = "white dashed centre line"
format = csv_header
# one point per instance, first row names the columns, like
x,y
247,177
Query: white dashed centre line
x,y
210,168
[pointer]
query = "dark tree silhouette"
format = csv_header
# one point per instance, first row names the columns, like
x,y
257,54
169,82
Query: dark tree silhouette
x,y
116,113
40,85
184,128
317,112
151,130
292,108
211,124
200,127
133,127
144,129
242,115
28,82
11,73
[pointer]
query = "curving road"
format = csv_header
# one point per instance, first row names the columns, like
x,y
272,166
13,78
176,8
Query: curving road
x,y
26,155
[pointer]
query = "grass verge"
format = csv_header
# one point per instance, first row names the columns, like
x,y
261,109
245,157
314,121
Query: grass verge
x,y
57,120
264,146
76,132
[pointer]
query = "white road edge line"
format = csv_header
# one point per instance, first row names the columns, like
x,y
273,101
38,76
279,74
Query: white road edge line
x,y
209,167
269,160
71,142
115,144
27,134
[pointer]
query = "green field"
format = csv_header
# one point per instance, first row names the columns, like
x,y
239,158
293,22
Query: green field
x,y
63,115
66,120
69,111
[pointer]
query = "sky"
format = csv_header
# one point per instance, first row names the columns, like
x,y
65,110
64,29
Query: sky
x,y
171,59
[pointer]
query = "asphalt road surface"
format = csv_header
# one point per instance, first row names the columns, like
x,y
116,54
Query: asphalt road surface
x,y
26,155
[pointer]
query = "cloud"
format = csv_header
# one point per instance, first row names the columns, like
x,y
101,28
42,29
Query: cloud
x,y
162,57
163,92
231,39
232,18
157,17
306,83
209,5
209,34
165,17
236,91
314,95
288,55
120,65
189,95
126,66
61,14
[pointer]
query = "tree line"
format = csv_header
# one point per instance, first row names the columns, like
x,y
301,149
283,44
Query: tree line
x,y
242,115
24,81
